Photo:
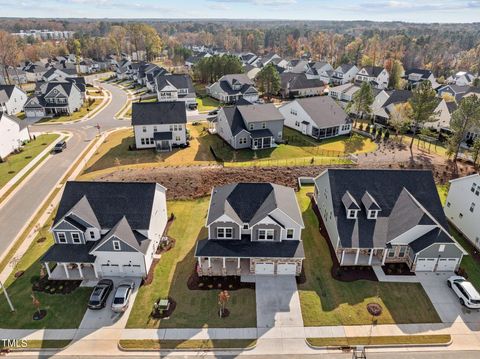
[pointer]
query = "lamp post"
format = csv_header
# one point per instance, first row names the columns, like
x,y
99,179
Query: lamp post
x,y
6,296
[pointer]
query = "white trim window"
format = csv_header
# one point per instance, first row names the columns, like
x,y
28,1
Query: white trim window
x,y
266,234
62,238
402,252
76,238
116,245
290,233
224,232
372,214
391,253
352,214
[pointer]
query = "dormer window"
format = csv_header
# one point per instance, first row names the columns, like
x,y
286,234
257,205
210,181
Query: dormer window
x,y
352,214
372,214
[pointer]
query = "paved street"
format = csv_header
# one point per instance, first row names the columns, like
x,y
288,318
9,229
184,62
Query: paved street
x,y
16,212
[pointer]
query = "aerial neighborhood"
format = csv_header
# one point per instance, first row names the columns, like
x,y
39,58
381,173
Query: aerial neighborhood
x,y
208,185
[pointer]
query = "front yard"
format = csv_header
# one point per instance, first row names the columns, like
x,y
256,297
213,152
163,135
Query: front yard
x,y
63,310
207,104
326,301
194,308
16,162
84,111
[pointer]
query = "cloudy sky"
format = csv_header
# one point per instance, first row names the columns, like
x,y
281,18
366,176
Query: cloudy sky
x,y
382,10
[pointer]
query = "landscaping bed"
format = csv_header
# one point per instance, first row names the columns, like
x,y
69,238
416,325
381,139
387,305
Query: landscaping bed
x,y
397,269
195,282
47,286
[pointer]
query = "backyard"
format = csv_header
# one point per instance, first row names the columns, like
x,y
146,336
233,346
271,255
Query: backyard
x,y
194,309
84,111
300,151
207,104
16,162
59,315
326,301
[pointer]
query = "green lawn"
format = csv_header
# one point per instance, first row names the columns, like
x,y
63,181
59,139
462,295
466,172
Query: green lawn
x,y
469,264
150,344
207,104
442,190
16,162
381,340
84,111
195,309
59,315
40,344
326,301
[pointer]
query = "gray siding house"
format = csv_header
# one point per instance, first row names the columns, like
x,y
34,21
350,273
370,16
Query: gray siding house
x,y
376,217
106,229
232,88
253,228
255,126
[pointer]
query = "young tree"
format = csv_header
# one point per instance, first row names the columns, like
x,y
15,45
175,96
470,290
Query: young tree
x,y
400,118
423,102
395,81
362,101
464,119
475,151
268,80
223,298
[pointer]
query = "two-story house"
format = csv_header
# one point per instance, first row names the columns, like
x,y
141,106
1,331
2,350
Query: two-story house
x,y
13,134
374,217
462,207
461,78
159,125
58,98
343,74
253,228
416,76
176,87
12,99
299,85
255,126
376,76
106,229
231,88
321,70
319,117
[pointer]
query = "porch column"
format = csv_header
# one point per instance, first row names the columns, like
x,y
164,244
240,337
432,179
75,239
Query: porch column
x,y
48,269
66,270
95,270
80,270
223,262
371,256
343,256
238,262
356,256
385,251
199,262
209,262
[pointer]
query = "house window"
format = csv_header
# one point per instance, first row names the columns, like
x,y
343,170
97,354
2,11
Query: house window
x,y
245,226
116,245
250,126
290,232
177,138
225,232
92,235
391,253
297,124
179,127
266,234
460,215
472,207
61,237
242,140
402,252
154,128
264,125
142,140
441,248
293,112
351,214
474,186
372,214
76,238
144,129
171,128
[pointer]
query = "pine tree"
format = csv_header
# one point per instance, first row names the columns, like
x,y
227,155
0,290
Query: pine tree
x,y
362,101
423,102
268,80
464,119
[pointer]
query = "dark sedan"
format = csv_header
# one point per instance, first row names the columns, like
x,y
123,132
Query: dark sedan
x,y
98,298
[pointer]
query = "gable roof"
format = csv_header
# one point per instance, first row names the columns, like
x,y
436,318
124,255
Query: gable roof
x,y
21,124
8,89
406,197
294,81
260,112
425,73
397,96
158,113
179,81
109,201
252,202
324,111
373,71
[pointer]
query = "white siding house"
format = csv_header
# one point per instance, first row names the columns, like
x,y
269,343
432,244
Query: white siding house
x,y
12,99
13,133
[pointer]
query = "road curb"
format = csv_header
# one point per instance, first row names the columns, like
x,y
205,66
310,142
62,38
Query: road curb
x,y
381,346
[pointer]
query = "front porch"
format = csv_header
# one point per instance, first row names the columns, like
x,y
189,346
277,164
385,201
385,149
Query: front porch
x,y
213,266
72,271
361,257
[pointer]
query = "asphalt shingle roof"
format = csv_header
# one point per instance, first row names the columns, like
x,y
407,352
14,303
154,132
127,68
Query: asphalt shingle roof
x,y
324,111
158,113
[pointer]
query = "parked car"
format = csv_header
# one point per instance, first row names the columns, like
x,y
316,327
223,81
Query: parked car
x,y
213,113
467,293
122,295
99,296
60,146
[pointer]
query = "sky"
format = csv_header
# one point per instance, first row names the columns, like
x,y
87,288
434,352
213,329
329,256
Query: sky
x,y
376,10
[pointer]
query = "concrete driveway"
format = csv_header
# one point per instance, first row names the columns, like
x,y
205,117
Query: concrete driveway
x,y
278,303
446,302
106,318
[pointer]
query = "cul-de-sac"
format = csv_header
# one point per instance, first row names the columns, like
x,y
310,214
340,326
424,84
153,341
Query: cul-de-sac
x,y
203,179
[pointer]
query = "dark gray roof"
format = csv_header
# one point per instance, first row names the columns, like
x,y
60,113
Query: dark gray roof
x,y
294,81
160,136
373,71
434,236
158,113
70,253
251,202
425,73
261,133
349,202
245,112
324,111
406,198
245,248
397,96
9,89
369,202
110,201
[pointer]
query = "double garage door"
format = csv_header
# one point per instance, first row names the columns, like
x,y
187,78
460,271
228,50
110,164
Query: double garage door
x,y
269,268
126,270
35,113
439,265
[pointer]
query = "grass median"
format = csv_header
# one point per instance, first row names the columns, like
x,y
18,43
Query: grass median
x,y
381,340
208,344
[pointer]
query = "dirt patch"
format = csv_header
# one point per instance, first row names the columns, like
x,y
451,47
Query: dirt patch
x,y
216,283
343,273
374,309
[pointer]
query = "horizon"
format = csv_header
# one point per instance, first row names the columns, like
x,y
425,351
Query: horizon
x,y
406,11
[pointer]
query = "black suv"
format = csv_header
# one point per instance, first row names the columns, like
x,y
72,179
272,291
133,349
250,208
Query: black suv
x,y
98,298
60,146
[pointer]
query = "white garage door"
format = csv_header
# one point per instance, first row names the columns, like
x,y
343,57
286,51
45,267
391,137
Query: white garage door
x,y
133,270
265,268
287,268
425,264
447,264
112,269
